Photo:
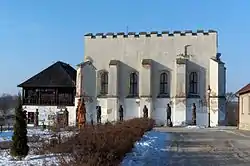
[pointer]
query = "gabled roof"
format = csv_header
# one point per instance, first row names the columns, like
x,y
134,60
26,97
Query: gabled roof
x,y
244,90
59,74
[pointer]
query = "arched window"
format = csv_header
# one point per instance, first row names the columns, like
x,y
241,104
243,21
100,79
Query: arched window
x,y
133,88
163,83
104,83
193,83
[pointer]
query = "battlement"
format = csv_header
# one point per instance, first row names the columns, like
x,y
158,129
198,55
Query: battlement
x,y
149,34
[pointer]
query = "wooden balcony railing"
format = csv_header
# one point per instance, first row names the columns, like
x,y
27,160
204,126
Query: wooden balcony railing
x,y
48,102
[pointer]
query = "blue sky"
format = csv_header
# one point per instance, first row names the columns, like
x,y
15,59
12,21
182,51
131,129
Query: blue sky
x,y
34,34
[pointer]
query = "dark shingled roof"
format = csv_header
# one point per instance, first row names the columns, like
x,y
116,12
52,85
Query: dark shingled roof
x,y
59,74
146,62
131,33
89,34
154,32
142,33
181,61
120,33
148,34
217,60
245,89
165,32
200,31
113,62
177,32
188,31
110,34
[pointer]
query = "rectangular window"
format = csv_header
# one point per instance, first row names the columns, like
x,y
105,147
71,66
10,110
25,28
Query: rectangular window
x,y
31,117
65,99
193,83
133,88
47,97
104,83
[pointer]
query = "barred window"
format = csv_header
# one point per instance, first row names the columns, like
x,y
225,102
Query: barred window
x,y
104,83
193,83
163,83
133,88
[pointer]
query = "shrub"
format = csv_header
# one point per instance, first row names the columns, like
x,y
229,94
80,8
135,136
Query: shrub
x,y
19,147
103,144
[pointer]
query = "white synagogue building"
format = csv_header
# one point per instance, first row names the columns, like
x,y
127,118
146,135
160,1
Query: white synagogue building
x,y
153,69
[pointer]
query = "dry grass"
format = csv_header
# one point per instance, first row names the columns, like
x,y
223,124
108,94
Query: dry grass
x,y
101,145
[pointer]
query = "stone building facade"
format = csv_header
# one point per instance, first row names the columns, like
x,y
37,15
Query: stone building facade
x,y
153,69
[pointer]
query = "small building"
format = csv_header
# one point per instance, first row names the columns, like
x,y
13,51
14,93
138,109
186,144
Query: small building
x,y
50,93
244,107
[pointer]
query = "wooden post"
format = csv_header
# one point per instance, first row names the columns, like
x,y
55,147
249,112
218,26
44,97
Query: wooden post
x,y
56,97
23,95
39,96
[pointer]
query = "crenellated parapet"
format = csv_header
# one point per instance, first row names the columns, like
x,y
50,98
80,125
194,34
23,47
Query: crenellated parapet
x,y
149,34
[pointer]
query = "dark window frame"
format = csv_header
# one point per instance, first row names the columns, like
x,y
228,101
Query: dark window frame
x,y
193,83
104,83
30,117
163,83
133,84
49,96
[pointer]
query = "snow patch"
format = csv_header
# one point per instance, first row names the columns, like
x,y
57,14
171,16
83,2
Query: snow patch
x,y
29,160
42,134
195,127
150,150
5,136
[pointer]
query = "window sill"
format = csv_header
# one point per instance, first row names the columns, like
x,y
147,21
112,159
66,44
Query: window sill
x,y
145,96
102,96
54,104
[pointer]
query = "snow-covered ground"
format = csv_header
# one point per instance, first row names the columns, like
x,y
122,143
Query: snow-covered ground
x,y
195,127
150,150
31,159
43,134
5,136
38,160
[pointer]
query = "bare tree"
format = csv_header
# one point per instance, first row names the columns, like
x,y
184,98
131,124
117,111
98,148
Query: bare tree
x,y
230,97
7,102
